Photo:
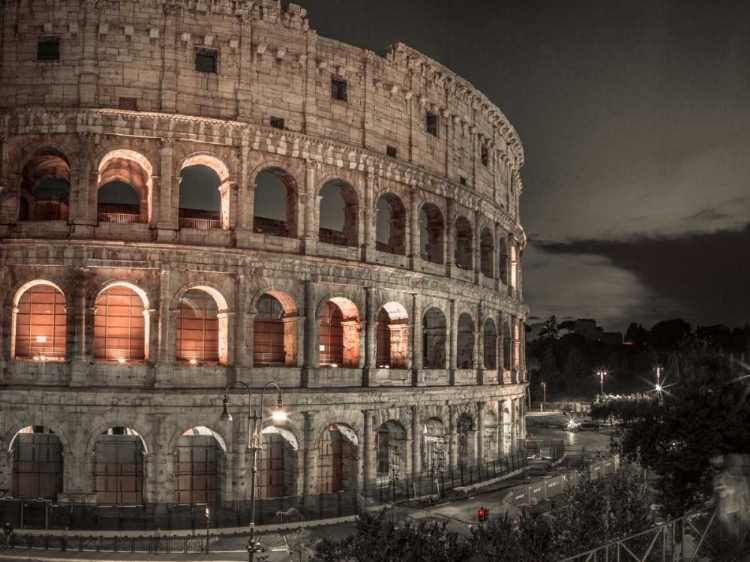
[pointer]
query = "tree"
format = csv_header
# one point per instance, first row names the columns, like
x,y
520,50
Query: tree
x,y
550,331
669,333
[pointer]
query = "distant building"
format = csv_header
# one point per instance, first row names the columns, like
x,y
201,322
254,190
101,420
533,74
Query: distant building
x,y
586,327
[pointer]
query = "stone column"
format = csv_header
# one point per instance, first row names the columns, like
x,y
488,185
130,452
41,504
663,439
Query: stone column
x,y
416,441
244,326
369,327
477,247
166,355
452,438
80,194
499,233
367,450
88,77
310,453
79,365
9,207
513,426
311,203
450,254
453,340
169,63
480,433
312,351
415,254
479,346
167,214
246,191
416,338
368,242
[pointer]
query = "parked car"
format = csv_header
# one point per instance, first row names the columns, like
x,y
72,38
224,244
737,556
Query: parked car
x,y
589,426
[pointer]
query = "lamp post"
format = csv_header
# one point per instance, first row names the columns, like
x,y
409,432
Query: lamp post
x,y
544,395
601,381
254,444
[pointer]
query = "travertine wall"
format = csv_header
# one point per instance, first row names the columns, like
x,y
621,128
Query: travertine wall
x,y
269,65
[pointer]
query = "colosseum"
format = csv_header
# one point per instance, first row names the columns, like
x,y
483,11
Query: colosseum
x,y
195,193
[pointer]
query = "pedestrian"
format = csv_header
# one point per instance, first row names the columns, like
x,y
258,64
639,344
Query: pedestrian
x,y
8,532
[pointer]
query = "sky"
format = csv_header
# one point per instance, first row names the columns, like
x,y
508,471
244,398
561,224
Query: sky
x,y
634,117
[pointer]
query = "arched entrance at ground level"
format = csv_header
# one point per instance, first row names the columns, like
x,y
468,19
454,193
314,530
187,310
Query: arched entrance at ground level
x,y
118,467
433,339
37,458
390,444
276,463
392,336
338,459
490,436
467,440
339,334
200,463
434,457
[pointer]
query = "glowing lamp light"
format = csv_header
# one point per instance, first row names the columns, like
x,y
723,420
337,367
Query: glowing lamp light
x,y
279,415
121,360
322,348
36,358
41,339
334,365
658,388
193,362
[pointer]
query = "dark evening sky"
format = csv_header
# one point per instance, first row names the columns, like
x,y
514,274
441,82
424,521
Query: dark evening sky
x,y
634,119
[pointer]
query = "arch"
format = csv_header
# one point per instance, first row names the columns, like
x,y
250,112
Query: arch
x,y
277,462
391,452
506,347
466,434
36,455
431,229
275,330
275,203
337,212
392,336
434,328
45,186
124,187
390,231
339,337
203,203
117,466
490,344
504,260
199,466
487,253
434,450
120,323
338,459
465,353
39,324
201,329
464,253
489,448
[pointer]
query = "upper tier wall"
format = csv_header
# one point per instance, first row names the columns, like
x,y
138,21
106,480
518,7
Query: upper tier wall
x,y
141,55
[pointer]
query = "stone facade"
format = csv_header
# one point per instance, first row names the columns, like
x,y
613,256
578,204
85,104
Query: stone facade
x,y
93,92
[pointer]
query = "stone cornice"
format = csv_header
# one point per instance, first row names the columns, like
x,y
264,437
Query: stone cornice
x,y
259,138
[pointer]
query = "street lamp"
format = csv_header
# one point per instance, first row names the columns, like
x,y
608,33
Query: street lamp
x,y
254,444
544,395
601,380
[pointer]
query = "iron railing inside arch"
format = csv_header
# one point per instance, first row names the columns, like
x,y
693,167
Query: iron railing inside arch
x,y
704,536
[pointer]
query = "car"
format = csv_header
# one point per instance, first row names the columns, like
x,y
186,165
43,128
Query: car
x,y
589,426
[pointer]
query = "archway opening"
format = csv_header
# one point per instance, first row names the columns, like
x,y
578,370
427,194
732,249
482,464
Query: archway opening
x,y
200,463
198,328
40,323
338,459
339,334
487,253
275,204
466,440
275,331
277,462
45,187
119,325
118,467
434,457
392,337
124,188
390,444
37,459
504,259
431,229
490,345
338,214
390,232
490,436
506,347
433,339
464,250
465,354
201,204
118,202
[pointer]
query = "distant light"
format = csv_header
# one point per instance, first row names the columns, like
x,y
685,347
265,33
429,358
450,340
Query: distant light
x,y
121,360
41,339
658,388
279,416
334,365
322,348
193,362
36,358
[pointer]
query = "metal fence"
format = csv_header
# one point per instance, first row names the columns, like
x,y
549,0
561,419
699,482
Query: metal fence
x,y
393,489
698,536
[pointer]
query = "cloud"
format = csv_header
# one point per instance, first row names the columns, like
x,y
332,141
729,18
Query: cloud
x,y
705,274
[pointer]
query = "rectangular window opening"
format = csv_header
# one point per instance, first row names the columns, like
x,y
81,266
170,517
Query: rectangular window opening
x,y
485,156
277,122
48,48
432,123
391,151
339,88
206,60
129,104
462,180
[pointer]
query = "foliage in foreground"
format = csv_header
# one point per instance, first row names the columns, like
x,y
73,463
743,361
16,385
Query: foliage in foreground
x,y
597,512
